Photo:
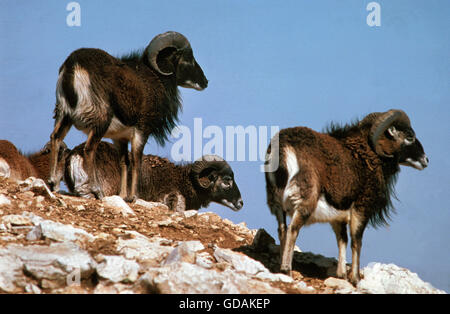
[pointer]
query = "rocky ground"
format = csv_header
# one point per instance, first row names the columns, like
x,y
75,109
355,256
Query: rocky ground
x,y
53,243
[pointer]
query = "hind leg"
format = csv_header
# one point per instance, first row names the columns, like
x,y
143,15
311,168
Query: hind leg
x,y
276,208
340,230
62,126
279,213
299,200
291,236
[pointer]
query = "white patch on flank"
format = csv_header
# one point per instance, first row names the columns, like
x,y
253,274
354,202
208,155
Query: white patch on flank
x,y
292,169
291,162
60,98
82,86
324,212
5,170
77,173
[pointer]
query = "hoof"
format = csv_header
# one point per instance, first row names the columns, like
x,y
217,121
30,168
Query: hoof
x,y
354,280
286,270
54,187
98,193
341,275
130,199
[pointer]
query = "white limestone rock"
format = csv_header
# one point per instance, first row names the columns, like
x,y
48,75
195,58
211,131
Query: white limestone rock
x,y
391,279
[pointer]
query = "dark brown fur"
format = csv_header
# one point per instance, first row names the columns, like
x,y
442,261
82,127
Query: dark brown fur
x,y
342,166
159,180
125,99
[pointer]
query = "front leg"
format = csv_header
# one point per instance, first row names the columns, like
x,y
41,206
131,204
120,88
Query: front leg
x,y
122,147
357,225
62,126
137,147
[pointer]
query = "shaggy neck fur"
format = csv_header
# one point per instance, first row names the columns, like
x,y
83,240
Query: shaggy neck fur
x,y
171,103
381,170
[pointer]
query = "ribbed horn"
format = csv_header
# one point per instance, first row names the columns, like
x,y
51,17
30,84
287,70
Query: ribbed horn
x,y
206,161
162,41
382,122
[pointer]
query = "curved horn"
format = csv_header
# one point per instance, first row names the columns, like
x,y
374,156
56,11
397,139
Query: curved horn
x,y
369,119
204,162
382,122
162,41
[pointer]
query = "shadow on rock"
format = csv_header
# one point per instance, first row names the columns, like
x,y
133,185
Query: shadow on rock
x,y
264,250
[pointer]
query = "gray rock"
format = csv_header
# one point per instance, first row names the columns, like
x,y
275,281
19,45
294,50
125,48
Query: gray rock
x,y
35,185
148,252
189,278
190,213
304,288
10,271
58,232
274,277
117,202
389,279
117,288
194,245
150,205
240,262
341,286
15,220
165,223
204,260
118,269
182,253
34,234
4,200
32,288
35,219
51,265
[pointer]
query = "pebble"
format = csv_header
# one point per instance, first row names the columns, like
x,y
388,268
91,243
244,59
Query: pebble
x,y
4,200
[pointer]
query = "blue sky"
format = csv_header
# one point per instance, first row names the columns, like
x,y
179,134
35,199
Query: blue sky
x,y
282,63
